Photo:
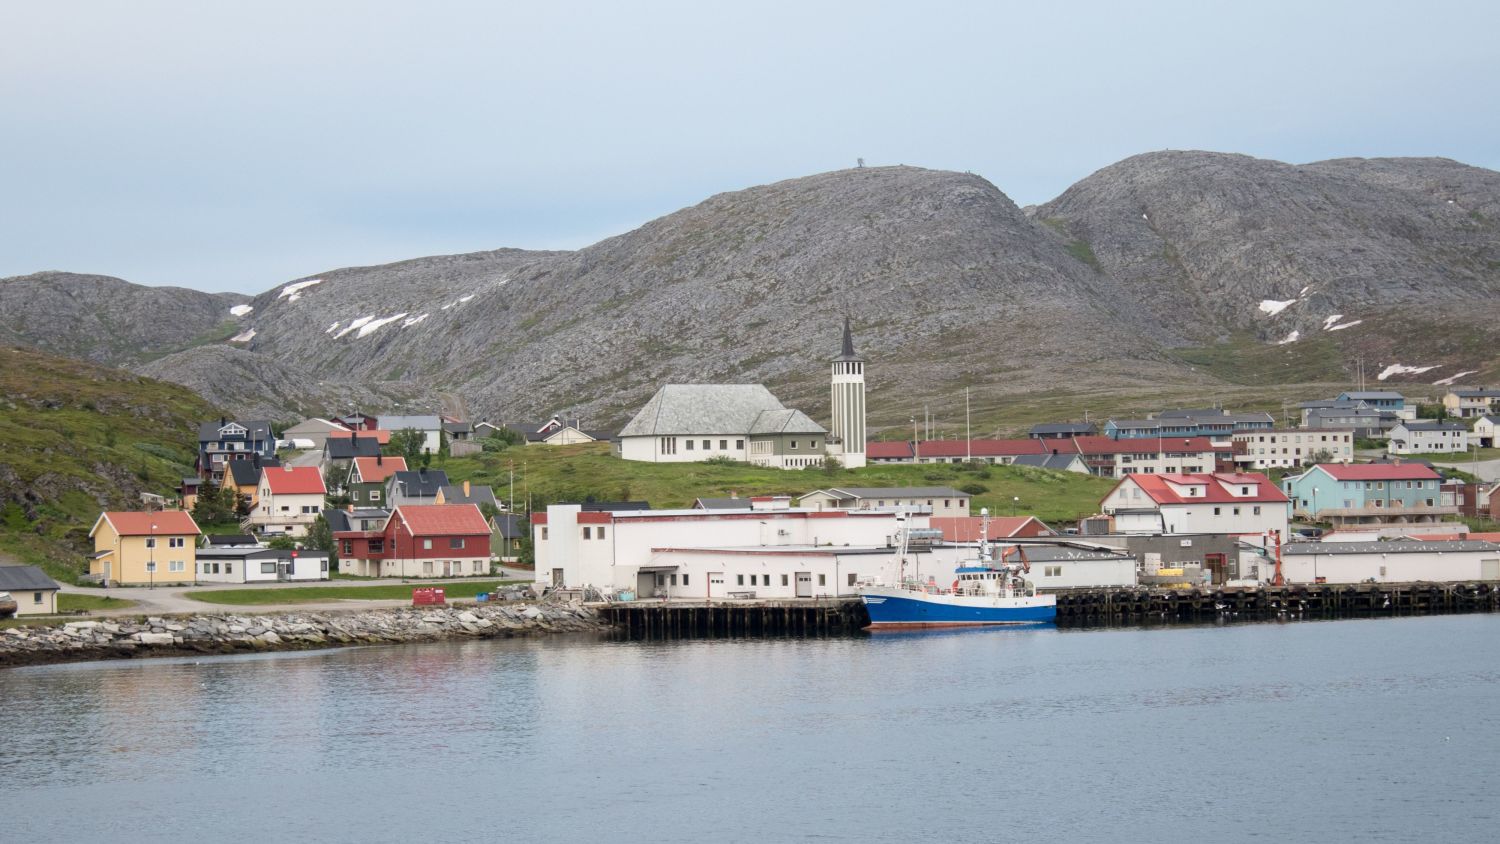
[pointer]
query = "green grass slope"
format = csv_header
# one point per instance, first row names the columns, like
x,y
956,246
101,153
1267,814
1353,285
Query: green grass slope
x,y
574,473
77,438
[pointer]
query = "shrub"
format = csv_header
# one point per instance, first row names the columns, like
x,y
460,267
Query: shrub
x,y
974,488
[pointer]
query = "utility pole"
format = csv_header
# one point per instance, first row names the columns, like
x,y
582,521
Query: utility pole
x,y
968,433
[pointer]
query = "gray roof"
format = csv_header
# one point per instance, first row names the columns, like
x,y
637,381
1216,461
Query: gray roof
x,y
247,472
1433,426
1191,412
510,525
1329,403
344,448
344,520
418,483
458,427
1306,548
721,504
1053,554
223,539
785,422
397,423
1064,428
1373,395
1047,461
256,429
1483,392
20,578
613,506
896,492
1135,423
710,409
454,494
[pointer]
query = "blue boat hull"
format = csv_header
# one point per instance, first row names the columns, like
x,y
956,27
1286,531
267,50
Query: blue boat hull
x,y
889,610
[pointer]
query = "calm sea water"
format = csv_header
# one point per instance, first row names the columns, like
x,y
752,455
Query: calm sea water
x,y
1383,730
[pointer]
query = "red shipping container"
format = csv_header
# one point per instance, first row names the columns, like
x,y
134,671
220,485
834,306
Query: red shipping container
x,y
428,596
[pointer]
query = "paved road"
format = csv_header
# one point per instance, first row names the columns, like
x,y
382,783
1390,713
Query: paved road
x,y
166,600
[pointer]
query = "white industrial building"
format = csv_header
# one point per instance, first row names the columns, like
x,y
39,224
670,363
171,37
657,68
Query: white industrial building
x,y
258,564
1394,561
770,550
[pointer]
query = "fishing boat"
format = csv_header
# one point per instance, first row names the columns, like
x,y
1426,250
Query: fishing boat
x,y
986,591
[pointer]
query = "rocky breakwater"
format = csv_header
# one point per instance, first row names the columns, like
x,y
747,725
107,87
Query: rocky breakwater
x,y
215,633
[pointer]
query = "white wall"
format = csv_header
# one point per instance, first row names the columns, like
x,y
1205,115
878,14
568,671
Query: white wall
x,y
27,604
1067,574
1398,568
648,449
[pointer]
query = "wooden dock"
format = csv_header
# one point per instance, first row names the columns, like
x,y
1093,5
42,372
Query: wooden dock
x,y
1332,600
844,615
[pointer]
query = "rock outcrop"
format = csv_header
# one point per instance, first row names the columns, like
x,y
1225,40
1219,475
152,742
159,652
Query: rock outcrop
x,y
216,633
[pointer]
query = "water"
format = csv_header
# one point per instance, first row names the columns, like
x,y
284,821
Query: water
x,y
1322,731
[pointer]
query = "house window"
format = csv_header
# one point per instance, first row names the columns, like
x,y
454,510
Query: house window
x,y
601,532
348,548
822,580
587,533
689,445
723,445
739,444
308,510
150,542
427,567
175,542
784,580
427,545
684,579
377,546
268,567
544,533
324,567
1216,511
374,495
455,542
794,445
947,502
478,567
740,579
852,578
707,444
1236,511
229,568
1255,511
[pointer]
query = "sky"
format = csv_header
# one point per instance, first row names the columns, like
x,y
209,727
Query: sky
x,y
234,146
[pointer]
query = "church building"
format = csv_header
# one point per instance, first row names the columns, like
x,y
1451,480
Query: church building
x,y
685,423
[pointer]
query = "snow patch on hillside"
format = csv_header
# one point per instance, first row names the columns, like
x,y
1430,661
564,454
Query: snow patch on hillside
x,y
293,292
375,324
1290,338
354,326
332,328
243,337
1331,321
1448,382
241,310
1272,307
410,321
1349,324
1398,369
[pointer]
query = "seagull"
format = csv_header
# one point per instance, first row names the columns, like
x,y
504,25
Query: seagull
x,y
1220,607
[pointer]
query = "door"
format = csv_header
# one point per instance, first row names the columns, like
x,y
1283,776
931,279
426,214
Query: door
x,y
804,584
557,577
1216,565
447,568
1489,569
715,583
107,568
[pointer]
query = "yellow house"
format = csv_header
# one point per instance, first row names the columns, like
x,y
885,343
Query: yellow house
x,y
142,549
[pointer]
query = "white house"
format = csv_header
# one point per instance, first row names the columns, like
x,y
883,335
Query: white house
x,y
1396,561
1292,448
1247,505
1484,430
255,564
429,426
291,497
33,591
1428,437
684,423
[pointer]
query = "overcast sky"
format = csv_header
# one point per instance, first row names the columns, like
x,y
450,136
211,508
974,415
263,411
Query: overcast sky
x,y
232,146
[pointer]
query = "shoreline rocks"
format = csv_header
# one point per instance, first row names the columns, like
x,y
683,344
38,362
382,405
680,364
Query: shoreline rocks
x,y
228,632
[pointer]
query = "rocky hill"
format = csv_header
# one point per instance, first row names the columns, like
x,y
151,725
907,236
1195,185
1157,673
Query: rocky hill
x,y
109,320
1173,268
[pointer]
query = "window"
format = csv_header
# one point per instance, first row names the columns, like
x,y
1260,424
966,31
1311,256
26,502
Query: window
x,y
150,542
268,567
707,444
601,531
723,445
672,579
427,544
478,567
324,567
740,579
784,580
669,445
1255,511
175,542
427,567
286,508
377,546
689,444
348,547
740,444
1216,510
794,445
822,580
684,579
229,568
150,565
544,533
36,597
455,542
374,495
308,510
852,578
587,532
947,502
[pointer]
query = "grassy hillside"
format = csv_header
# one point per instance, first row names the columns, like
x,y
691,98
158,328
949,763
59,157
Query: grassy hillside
x,y
76,438
574,473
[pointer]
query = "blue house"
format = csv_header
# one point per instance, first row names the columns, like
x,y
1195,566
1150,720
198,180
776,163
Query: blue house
x,y
1369,494
1378,399
1210,422
222,442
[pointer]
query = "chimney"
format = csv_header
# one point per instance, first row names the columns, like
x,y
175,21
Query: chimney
x,y
223,421
734,494
466,489
379,459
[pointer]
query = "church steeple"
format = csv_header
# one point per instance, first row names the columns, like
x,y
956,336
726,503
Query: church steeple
x,y
849,401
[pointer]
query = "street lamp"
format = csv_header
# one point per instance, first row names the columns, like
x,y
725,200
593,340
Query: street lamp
x,y
1015,501
1315,504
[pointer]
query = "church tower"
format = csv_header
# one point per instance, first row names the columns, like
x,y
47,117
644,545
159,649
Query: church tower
x,y
849,402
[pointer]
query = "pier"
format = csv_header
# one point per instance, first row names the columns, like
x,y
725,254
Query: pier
x,y
843,615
